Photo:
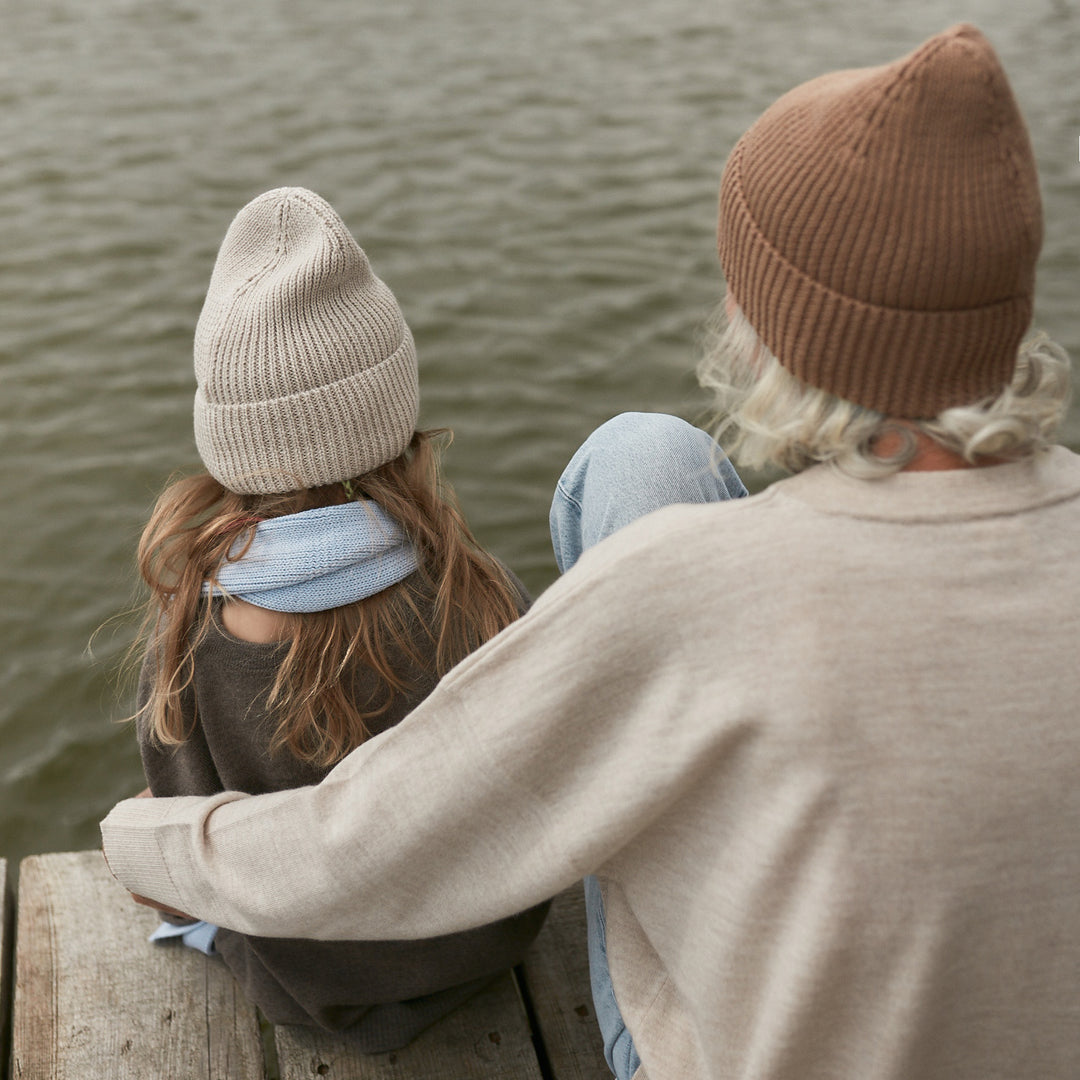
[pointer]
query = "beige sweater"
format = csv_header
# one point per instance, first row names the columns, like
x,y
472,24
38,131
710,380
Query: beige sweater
x,y
821,746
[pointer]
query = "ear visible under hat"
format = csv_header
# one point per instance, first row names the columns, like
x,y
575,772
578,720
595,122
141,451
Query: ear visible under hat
x,y
305,366
879,228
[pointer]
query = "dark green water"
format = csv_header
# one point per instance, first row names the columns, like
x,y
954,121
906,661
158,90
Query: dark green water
x,y
536,181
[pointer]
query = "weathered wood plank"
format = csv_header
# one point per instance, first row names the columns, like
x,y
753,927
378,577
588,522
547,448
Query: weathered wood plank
x,y
556,973
94,999
487,1038
5,965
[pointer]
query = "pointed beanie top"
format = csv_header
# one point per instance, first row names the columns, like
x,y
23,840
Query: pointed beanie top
x,y
879,229
305,366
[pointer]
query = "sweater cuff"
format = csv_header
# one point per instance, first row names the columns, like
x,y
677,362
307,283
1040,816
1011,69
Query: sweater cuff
x,y
129,836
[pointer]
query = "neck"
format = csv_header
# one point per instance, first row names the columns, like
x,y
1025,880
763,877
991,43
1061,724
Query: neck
x,y
930,456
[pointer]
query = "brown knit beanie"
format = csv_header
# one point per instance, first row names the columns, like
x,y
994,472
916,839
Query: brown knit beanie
x,y
879,229
306,369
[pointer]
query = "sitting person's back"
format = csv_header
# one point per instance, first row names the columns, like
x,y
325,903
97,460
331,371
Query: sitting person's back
x,y
308,591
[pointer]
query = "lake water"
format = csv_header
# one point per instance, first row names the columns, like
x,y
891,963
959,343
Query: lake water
x,y
536,181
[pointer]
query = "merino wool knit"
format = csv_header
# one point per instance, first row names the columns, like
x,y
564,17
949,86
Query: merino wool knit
x,y
820,746
306,368
384,992
890,212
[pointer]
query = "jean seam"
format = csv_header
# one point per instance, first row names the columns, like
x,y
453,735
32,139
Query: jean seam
x,y
567,496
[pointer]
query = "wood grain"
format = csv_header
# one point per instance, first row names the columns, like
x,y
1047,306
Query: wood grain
x,y
488,1038
556,974
5,964
94,999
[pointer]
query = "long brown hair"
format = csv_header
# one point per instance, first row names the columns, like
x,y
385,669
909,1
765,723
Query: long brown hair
x,y
459,599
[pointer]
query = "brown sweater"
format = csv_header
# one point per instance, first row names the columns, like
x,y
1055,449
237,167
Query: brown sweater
x,y
387,992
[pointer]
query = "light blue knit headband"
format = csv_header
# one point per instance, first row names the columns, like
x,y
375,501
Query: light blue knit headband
x,y
319,559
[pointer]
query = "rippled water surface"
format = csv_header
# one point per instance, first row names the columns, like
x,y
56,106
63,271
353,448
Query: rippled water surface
x,y
536,181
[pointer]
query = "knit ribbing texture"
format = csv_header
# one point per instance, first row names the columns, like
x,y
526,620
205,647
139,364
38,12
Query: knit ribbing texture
x,y
879,229
317,559
305,366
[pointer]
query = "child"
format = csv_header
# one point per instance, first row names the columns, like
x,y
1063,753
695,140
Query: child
x,y
311,588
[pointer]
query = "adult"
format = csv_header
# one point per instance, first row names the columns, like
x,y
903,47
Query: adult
x,y
817,746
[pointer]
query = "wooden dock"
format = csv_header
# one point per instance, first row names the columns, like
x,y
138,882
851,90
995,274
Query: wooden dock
x,y
88,996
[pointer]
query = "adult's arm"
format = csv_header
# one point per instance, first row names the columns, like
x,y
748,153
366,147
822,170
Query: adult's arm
x,y
535,761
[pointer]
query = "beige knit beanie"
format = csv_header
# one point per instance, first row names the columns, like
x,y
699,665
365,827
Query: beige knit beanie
x,y
306,370
879,229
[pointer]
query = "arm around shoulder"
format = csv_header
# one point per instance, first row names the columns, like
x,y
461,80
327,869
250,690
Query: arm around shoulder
x,y
523,770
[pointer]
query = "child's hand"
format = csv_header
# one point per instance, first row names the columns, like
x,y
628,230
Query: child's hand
x,y
146,902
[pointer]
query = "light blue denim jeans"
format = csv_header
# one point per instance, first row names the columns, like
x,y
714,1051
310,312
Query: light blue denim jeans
x,y
632,465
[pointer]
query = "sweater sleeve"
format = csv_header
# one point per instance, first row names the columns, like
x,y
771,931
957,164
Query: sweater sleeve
x,y
186,769
535,761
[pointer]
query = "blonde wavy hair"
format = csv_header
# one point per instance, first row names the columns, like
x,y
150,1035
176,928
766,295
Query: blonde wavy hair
x,y
768,417
460,598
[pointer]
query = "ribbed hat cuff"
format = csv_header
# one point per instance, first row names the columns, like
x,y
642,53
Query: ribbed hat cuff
x,y
890,360
315,437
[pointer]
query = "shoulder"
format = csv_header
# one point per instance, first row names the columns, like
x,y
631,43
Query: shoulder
x,y
673,539
667,566
522,597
